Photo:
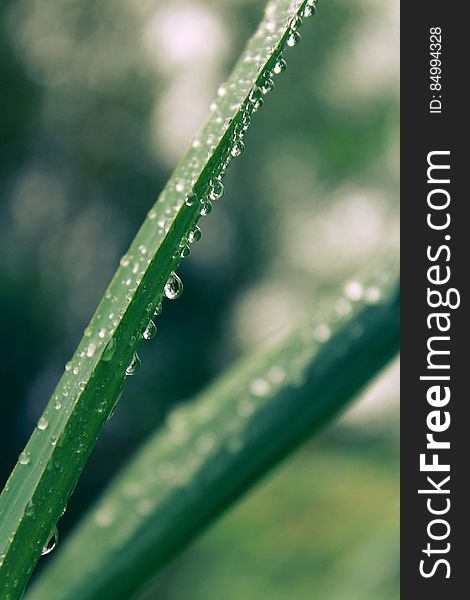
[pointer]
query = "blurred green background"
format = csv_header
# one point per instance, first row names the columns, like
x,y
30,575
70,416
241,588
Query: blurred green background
x,y
98,102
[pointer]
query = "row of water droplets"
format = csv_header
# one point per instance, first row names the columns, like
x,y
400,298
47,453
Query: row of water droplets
x,y
236,146
200,424
259,387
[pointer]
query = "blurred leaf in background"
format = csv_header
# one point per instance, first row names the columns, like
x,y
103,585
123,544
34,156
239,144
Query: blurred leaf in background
x,y
98,101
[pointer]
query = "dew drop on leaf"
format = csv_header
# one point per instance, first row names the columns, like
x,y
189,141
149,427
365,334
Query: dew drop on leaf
x,y
206,208
258,104
237,148
43,424
216,189
293,39
259,387
295,23
52,543
310,8
255,94
372,295
322,332
280,66
191,199
134,365
173,287
91,348
194,235
354,290
23,458
267,86
150,331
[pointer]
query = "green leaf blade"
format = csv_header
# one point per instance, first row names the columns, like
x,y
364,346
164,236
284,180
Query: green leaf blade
x,y
215,448
37,491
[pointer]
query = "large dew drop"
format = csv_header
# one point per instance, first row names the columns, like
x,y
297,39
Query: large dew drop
x,y
23,458
216,189
280,66
150,331
194,235
310,8
206,208
173,287
293,39
134,365
237,148
43,424
52,543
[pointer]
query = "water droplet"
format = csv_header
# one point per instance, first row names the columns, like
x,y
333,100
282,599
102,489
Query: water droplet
x,y
52,543
276,374
295,23
194,235
267,86
158,309
373,295
134,365
173,287
68,366
343,307
150,331
23,458
216,189
293,39
108,352
124,262
246,120
221,91
185,251
280,66
91,349
104,516
101,333
354,290
255,94
310,9
191,199
179,185
237,148
43,424
259,387
206,208
322,333
258,104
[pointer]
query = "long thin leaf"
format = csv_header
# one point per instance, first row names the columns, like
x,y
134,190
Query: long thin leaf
x,y
48,469
214,448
